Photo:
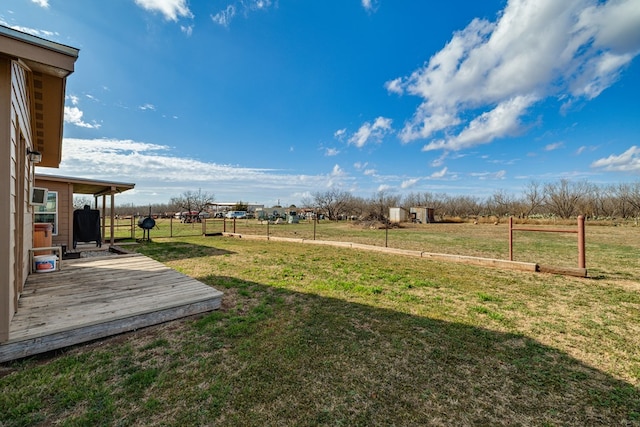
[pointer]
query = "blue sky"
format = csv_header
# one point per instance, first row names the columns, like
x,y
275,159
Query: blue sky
x,y
273,100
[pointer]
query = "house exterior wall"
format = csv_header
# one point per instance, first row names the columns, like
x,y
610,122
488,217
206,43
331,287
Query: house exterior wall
x,y
33,73
15,173
7,181
21,139
64,235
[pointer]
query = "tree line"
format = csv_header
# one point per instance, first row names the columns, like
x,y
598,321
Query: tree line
x,y
563,199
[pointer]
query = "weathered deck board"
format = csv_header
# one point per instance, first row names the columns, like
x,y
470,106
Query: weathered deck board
x,y
93,298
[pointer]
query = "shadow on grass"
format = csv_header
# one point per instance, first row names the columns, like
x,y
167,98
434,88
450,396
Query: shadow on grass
x,y
177,250
308,360
274,356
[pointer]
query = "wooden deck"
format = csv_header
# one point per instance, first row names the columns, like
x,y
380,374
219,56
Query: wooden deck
x,y
93,298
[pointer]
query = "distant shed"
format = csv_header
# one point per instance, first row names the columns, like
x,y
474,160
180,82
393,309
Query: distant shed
x,y
423,215
398,215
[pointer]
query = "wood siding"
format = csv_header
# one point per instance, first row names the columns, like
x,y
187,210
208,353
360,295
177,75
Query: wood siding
x,y
7,183
16,224
22,139
64,235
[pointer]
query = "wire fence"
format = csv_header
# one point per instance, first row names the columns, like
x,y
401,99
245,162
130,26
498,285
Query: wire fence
x,y
489,241
428,237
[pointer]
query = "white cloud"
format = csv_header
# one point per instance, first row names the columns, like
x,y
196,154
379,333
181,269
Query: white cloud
x,y
257,4
371,132
159,174
502,121
41,3
370,172
337,171
408,183
501,174
340,133
33,31
74,99
385,187
394,86
554,146
629,161
482,83
171,9
370,5
73,115
147,107
360,165
187,29
615,26
439,174
224,16
329,152
584,148
436,163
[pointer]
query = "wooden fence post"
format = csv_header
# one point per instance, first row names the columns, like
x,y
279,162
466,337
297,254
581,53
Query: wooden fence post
x,y
510,238
582,262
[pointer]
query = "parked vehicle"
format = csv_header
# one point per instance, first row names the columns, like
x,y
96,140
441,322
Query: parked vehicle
x,y
236,214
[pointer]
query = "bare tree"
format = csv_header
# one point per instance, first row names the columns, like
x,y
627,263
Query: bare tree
x,y
333,202
426,200
533,199
357,206
564,197
601,201
629,198
501,203
80,201
193,201
379,204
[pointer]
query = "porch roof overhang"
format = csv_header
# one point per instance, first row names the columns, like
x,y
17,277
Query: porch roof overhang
x,y
88,186
49,64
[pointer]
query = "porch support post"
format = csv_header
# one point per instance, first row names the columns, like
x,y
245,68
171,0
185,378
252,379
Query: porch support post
x,y
113,214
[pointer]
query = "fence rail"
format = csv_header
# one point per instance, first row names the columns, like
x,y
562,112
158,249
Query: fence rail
x,y
465,238
579,231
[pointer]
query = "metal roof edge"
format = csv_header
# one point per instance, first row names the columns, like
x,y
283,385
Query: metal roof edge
x,y
39,41
77,180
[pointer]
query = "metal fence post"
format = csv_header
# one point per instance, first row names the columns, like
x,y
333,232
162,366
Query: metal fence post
x,y
386,235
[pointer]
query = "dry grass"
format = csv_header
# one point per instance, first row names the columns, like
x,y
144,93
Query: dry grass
x,y
312,335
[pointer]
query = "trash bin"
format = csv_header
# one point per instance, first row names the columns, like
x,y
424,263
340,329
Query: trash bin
x,y
42,237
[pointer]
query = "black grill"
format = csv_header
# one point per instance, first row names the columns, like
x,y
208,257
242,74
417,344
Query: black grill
x,y
147,223
86,226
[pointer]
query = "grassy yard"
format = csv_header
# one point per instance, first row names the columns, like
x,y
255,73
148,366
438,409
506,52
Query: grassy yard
x,y
315,335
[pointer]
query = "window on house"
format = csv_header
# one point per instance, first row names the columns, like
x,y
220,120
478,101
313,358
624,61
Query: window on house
x,y
49,212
